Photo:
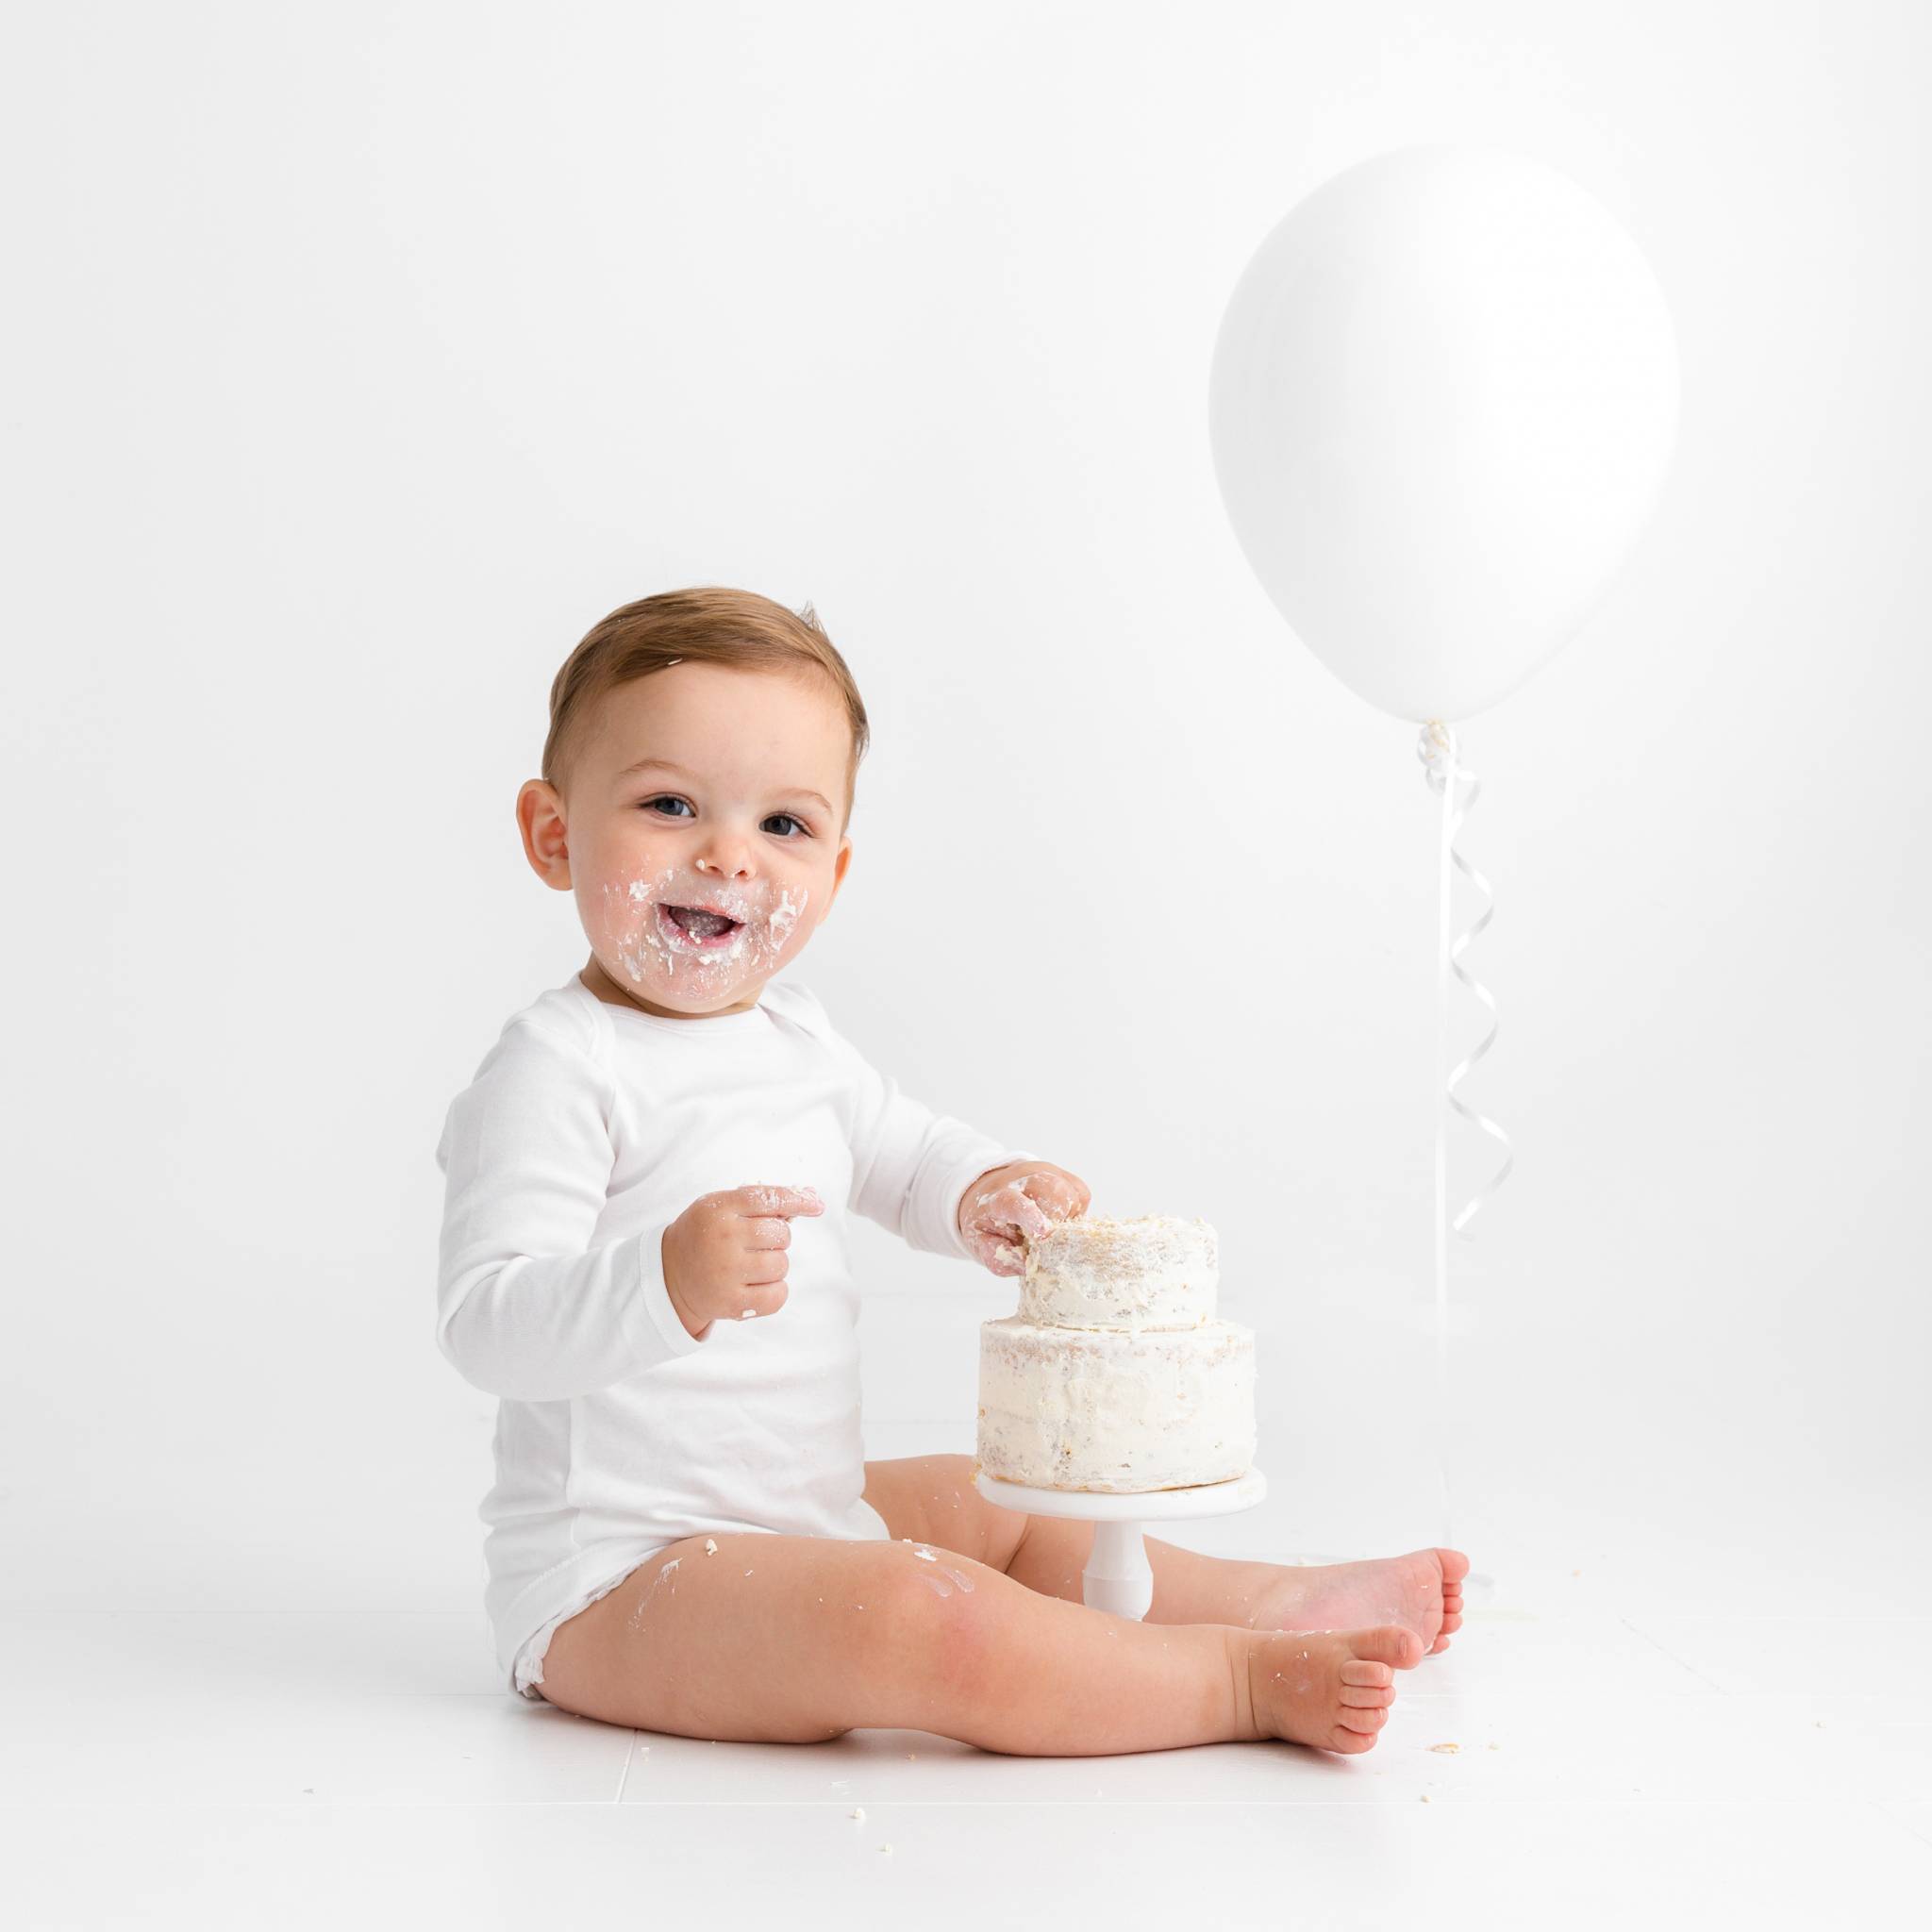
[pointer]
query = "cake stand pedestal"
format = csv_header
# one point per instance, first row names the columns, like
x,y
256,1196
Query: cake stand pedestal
x,y
1117,1578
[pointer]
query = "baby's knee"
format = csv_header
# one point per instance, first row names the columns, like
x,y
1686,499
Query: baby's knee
x,y
930,1602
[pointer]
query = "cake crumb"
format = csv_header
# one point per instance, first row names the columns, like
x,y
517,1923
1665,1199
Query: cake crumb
x,y
1424,1797
887,1850
1445,1747
711,1547
858,1816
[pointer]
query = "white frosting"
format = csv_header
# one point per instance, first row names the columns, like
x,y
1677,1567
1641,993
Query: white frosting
x,y
1115,1410
1115,1374
1155,1272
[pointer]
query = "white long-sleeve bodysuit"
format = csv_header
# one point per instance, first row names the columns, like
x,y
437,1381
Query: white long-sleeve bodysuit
x,y
588,1129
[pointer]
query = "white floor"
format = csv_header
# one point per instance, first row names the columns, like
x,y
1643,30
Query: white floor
x,y
1659,1733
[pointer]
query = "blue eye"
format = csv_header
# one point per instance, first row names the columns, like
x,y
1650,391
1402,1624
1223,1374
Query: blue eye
x,y
668,798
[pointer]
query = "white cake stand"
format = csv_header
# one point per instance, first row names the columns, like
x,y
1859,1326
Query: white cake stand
x,y
1117,1578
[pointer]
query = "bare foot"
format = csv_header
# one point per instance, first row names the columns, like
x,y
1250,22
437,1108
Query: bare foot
x,y
1331,1688
1423,1592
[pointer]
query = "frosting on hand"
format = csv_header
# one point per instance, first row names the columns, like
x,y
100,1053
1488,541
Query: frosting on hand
x,y
1001,1211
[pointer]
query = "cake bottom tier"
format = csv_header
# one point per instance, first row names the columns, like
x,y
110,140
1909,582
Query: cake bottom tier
x,y
1087,1409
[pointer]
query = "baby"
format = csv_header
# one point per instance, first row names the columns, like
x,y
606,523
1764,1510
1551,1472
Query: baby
x,y
643,1258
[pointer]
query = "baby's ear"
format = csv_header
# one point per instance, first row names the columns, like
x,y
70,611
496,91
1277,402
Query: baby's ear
x,y
540,821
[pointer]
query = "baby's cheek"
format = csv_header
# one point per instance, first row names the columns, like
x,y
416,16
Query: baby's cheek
x,y
786,926
620,918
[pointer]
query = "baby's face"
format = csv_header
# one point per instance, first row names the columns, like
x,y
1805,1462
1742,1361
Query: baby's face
x,y
701,833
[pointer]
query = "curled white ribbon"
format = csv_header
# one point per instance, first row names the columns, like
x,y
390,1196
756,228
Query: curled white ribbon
x,y
1445,774
1436,750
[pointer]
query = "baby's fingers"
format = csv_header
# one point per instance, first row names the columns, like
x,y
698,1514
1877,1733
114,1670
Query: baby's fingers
x,y
763,1200
994,1252
1031,1218
1063,1197
760,1298
1009,1206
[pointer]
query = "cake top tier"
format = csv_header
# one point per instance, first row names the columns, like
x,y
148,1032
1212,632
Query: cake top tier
x,y
1156,1271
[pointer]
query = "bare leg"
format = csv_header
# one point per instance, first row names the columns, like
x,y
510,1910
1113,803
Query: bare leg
x,y
933,1496
794,1639
1421,1591
799,1638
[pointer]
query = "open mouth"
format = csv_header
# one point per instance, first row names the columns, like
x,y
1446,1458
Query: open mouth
x,y
694,926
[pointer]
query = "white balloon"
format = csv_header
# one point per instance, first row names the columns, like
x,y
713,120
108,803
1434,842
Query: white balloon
x,y
1443,401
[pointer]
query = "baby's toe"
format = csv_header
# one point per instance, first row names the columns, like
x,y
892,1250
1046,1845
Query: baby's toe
x,y
1365,1673
1367,1722
1368,1696
1341,1738
1388,1643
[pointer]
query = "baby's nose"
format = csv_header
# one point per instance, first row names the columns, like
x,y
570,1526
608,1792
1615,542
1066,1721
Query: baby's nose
x,y
727,858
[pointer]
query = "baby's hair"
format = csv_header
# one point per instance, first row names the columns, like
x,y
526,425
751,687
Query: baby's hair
x,y
708,624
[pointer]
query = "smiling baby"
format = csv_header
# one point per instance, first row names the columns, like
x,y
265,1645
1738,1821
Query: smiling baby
x,y
643,1258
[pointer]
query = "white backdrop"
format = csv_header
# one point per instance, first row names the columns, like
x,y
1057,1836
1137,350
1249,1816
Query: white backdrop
x,y
361,358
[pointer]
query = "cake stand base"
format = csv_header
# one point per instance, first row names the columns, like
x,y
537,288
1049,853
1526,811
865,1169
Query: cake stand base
x,y
1117,1578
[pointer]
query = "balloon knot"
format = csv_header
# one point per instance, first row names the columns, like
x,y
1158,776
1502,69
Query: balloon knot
x,y
1436,748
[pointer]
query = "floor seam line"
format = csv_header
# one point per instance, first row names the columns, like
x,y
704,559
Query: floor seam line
x,y
1655,1644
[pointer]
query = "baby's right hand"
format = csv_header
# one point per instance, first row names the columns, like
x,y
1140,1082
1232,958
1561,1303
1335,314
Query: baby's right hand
x,y
724,1255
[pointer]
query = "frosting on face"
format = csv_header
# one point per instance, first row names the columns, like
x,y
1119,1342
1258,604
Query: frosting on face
x,y
703,869
644,945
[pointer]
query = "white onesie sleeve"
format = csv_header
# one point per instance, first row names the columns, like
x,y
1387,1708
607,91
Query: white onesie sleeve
x,y
526,1307
910,1166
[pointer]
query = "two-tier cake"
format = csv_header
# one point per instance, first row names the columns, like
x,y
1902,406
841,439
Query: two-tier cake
x,y
1115,1374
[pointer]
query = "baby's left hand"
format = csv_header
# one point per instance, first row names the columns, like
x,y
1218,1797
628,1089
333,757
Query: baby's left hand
x,y
1007,1204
